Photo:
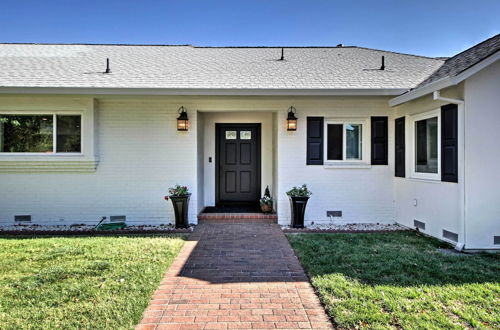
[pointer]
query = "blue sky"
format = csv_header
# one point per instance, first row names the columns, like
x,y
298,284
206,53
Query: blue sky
x,y
432,28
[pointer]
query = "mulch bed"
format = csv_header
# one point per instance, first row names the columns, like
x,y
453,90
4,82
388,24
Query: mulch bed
x,y
36,233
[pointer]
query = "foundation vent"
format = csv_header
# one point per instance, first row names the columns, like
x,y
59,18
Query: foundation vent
x,y
496,240
117,218
418,224
22,218
336,214
450,235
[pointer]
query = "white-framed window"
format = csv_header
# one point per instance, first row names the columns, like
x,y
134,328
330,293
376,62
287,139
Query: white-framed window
x,y
40,133
426,162
41,138
346,141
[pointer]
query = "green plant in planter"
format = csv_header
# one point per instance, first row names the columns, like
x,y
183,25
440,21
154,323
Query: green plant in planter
x,y
301,191
298,197
266,202
266,199
177,191
179,195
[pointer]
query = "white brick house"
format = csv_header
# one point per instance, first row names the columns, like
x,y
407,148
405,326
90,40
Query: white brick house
x,y
350,146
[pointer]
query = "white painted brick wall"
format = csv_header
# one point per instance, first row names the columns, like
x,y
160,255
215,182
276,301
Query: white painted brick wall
x,y
362,194
141,155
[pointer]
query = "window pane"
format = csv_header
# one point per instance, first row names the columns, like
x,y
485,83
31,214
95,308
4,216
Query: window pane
x,y
335,142
426,157
246,135
68,134
230,135
353,141
26,133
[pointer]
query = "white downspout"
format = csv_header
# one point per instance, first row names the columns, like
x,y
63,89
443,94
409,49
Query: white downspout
x,y
461,105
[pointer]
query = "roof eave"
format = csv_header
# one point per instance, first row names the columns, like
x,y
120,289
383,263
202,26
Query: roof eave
x,y
204,91
419,92
444,82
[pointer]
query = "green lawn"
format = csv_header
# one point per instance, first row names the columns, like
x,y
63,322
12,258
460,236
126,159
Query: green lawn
x,y
400,280
84,282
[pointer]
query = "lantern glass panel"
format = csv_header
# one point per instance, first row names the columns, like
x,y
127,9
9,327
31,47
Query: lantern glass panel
x,y
292,124
182,124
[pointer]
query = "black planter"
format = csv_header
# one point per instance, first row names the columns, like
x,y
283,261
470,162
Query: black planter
x,y
298,209
181,204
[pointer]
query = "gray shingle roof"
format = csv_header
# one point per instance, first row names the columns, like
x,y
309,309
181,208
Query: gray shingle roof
x,y
43,65
464,60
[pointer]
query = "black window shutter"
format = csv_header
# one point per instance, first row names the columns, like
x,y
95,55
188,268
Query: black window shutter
x,y
421,138
315,137
399,149
335,141
380,137
449,143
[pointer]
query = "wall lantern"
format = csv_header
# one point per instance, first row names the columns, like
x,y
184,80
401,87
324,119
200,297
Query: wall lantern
x,y
291,120
182,120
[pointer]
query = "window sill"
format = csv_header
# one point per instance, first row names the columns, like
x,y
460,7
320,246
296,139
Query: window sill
x,y
47,163
427,180
346,165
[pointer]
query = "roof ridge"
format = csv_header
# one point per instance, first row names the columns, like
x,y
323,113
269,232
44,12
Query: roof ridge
x,y
399,53
154,45
275,46
90,44
194,46
474,46
228,47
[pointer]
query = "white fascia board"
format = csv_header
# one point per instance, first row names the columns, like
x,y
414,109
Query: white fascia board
x,y
187,91
444,82
419,92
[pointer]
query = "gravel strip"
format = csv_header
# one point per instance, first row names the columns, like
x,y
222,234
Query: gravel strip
x,y
82,230
346,228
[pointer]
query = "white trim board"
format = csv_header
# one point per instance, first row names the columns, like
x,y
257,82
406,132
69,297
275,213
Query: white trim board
x,y
413,147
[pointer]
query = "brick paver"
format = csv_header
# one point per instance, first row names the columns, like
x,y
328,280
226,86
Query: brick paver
x,y
240,218
235,276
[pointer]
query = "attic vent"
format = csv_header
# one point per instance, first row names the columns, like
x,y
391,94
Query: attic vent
x,y
340,45
451,236
496,240
419,224
334,214
117,218
22,218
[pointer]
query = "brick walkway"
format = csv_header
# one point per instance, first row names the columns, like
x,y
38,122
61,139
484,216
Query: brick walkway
x,y
235,276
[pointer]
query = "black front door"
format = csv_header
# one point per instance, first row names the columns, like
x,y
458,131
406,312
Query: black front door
x,y
237,163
